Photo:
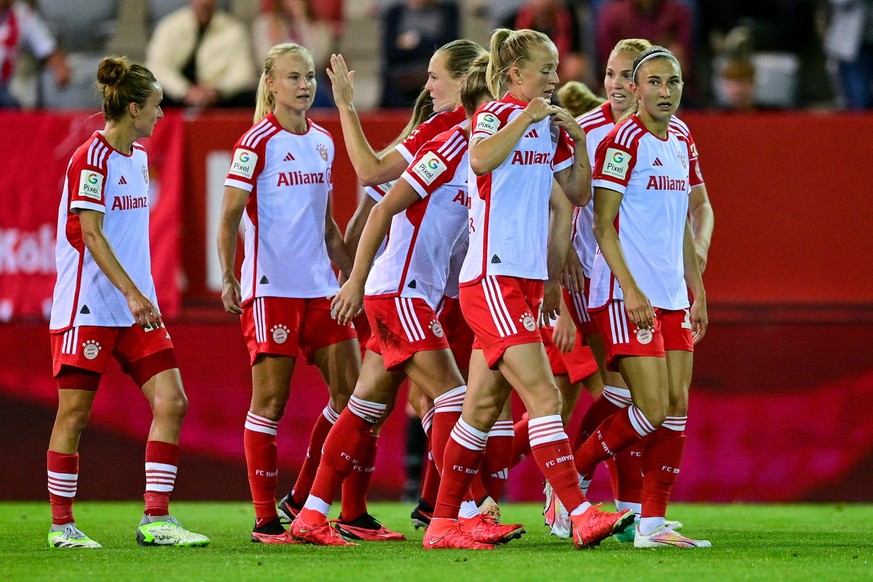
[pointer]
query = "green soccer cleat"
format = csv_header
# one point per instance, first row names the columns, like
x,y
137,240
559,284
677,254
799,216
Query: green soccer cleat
x,y
71,537
168,533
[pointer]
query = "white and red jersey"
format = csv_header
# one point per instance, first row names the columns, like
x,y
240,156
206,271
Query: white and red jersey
x,y
597,123
509,213
288,177
102,179
429,129
652,174
416,260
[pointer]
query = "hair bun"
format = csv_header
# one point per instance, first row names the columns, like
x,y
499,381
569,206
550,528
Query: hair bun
x,y
112,71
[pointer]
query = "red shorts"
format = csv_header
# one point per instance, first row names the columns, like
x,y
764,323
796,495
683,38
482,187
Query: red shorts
x,y
672,331
577,365
577,305
401,327
457,331
502,312
362,329
90,348
286,326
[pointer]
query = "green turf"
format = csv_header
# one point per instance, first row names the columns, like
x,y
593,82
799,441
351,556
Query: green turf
x,y
772,542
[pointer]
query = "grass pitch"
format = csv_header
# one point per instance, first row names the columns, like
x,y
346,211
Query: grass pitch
x,y
773,542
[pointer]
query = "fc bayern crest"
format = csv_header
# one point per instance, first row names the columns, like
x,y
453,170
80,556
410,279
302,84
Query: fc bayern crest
x,y
280,333
91,349
528,321
322,151
145,174
436,328
644,336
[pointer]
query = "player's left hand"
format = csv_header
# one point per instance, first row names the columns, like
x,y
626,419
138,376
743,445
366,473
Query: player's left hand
x,y
563,119
699,320
348,302
551,305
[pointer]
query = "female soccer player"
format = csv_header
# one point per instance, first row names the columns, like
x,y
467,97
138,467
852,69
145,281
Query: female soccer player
x,y
281,177
519,145
437,109
426,210
625,469
105,306
639,287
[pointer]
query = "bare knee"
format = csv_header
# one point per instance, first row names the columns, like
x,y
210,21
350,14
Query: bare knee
x,y
171,407
544,400
72,421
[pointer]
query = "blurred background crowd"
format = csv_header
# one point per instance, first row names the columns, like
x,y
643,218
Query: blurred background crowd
x,y
738,55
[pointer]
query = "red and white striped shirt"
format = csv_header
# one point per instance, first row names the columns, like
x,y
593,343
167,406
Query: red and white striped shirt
x,y
652,174
509,213
102,179
416,260
288,177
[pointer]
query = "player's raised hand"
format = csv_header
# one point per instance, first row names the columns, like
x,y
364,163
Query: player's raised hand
x,y
342,81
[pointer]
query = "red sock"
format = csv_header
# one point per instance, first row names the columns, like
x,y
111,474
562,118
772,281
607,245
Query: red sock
x,y
346,446
627,466
462,457
611,401
498,456
313,455
614,435
551,450
63,479
447,410
661,461
356,485
259,442
161,465
430,486
521,442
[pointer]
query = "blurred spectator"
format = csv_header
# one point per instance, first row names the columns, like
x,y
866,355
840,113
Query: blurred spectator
x,y
668,23
411,32
785,47
21,25
202,57
558,21
849,40
295,21
736,85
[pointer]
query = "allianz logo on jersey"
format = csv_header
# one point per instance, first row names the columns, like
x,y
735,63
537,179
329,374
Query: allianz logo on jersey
x,y
666,183
528,157
130,202
298,178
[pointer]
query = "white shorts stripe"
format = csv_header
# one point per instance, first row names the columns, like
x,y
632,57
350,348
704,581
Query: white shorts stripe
x,y
499,314
618,323
413,318
399,304
581,306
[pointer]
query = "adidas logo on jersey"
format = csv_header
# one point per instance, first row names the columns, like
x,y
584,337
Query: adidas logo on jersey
x,y
288,157
532,133
657,162
122,181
